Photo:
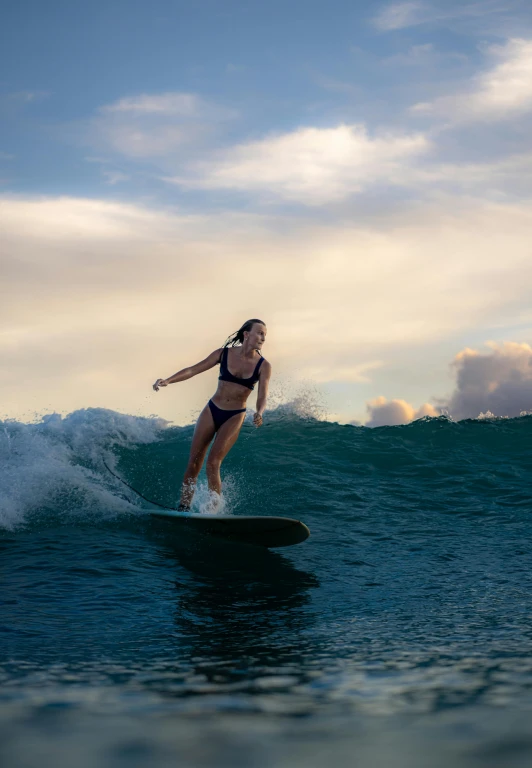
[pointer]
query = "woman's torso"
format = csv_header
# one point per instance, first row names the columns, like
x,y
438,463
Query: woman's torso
x,y
233,394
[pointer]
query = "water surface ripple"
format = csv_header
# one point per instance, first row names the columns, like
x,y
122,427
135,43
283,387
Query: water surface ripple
x,y
398,634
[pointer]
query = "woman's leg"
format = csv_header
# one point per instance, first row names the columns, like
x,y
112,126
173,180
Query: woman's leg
x,y
226,437
203,434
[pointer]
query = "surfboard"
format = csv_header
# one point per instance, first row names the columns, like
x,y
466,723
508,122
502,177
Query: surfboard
x,y
260,531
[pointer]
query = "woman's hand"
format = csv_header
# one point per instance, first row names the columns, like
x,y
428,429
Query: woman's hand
x,y
160,383
257,420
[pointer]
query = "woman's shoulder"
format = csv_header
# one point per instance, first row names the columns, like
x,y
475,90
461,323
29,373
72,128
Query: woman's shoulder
x,y
216,356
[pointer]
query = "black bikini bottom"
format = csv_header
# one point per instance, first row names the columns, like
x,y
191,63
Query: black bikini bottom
x,y
220,415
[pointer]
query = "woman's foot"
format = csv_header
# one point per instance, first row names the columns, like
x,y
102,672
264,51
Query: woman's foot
x,y
214,503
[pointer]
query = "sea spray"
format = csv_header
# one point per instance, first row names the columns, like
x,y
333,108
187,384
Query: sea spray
x,y
56,463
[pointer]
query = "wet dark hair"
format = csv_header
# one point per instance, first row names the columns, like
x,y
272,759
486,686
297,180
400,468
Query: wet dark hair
x,y
238,336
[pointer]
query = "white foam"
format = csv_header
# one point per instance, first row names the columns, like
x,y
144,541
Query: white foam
x,y
209,502
305,401
55,463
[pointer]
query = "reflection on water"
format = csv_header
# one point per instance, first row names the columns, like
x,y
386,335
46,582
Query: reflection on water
x,y
179,617
242,616
135,647
234,600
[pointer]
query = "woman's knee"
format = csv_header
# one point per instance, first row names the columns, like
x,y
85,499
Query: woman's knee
x,y
213,464
194,466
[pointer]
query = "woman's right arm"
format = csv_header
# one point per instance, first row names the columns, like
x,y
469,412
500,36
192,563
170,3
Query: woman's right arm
x,y
187,373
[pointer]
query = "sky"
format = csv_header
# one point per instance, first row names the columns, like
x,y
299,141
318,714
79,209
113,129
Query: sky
x,y
356,174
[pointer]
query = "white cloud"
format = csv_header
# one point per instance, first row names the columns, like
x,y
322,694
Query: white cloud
x,y
101,297
140,141
424,56
310,165
156,125
410,14
415,55
500,93
400,15
494,383
338,371
182,104
114,177
383,412
498,381
511,175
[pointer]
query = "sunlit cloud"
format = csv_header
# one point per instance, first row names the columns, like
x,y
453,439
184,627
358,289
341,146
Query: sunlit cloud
x,y
498,381
310,165
156,125
402,15
338,372
383,412
101,297
511,175
114,177
182,104
500,93
316,166
422,56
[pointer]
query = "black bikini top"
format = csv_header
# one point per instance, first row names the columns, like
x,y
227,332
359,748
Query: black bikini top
x,y
226,375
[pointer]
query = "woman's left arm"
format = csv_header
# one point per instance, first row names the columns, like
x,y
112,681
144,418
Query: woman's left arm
x,y
264,382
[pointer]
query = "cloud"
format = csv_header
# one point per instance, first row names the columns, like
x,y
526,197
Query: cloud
x,y
511,175
181,104
494,383
114,177
400,15
498,381
337,86
500,93
424,56
156,125
312,166
410,14
416,55
383,412
14,104
339,371
22,98
99,297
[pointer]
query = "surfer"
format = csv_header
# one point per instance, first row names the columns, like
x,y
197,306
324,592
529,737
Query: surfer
x,y
241,366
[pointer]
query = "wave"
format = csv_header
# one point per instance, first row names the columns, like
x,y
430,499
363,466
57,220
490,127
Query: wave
x,y
53,470
56,463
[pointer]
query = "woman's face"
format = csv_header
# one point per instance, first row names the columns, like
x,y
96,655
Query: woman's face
x,y
257,336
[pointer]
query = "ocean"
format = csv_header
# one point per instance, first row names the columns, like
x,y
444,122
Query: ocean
x,y
398,634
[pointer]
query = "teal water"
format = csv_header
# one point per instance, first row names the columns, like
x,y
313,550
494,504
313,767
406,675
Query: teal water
x,y
399,634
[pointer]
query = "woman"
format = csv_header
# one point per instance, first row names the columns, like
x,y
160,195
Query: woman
x,y
241,366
